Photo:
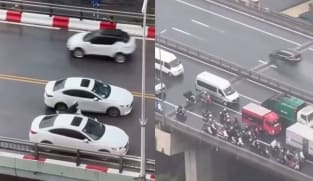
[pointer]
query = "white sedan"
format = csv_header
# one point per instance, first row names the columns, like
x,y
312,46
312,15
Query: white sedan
x,y
79,132
91,95
113,43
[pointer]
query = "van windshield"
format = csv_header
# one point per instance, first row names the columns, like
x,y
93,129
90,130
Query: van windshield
x,y
229,91
174,63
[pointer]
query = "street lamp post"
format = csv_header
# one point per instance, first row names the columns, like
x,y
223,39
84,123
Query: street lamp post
x,y
143,120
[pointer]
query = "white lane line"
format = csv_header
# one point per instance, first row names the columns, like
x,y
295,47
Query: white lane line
x,y
197,60
200,23
181,31
262,61
259,19
30,25
238,22
274,66
163,31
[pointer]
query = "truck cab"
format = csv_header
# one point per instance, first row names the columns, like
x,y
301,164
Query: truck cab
x,y
264,119
305,115
286,106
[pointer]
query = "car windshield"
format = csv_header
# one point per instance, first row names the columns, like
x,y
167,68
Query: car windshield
x,y
47,121
102,89
229,91
89,36
174,63
94,129
59,84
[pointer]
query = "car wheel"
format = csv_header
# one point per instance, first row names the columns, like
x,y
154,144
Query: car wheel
x,y
120,58
78,53
61,107
104,151
113,112
170,74
46,142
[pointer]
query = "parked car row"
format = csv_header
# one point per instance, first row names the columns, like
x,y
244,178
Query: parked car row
x,y
87,95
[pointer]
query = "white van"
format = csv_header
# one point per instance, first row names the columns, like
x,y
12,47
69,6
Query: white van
x,y
172,66
219,88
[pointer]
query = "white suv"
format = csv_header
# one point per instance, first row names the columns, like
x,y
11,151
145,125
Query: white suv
x,y
90,94
111,43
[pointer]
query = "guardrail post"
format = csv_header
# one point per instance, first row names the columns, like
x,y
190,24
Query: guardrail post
x,y
121,161
50,12
81,15
36,153
77,158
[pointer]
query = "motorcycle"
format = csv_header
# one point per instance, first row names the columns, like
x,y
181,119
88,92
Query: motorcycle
x,y
190,98
73,109
210,128
207,116
181,114
204,98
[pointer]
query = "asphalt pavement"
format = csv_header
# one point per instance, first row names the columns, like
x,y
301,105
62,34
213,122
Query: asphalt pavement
x,y
235,37
28,53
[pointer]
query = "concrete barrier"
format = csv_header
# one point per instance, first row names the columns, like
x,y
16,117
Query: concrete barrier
x,y
60,21
151,32
27,166
14,16
107,25
131,29
83,24
3,14
38,19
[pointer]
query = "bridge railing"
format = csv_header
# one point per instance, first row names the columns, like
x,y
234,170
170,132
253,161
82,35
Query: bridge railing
x,y
234,68
121,162
77,12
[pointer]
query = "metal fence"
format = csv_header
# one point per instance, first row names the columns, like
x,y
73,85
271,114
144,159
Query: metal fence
x,y
234,68
121,162
77,12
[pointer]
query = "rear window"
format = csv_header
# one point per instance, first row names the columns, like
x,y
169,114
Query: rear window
x,y
47,121
59,84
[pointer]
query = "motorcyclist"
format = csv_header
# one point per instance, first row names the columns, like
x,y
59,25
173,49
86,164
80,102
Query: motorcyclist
x,y
181,113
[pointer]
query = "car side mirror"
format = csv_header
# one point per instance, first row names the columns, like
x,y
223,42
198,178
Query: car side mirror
x,y
86,141
96,99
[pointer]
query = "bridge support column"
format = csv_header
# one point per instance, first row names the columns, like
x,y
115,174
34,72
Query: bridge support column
x,y
205,164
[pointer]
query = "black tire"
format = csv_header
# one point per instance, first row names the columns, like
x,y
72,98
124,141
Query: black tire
x,y
46,142
78,53
113,112
61,107
170,74
120,58
103,151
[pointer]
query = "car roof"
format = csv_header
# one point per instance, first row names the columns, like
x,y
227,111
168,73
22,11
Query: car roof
x,y
288,51
81,83
111,33
70,121
164,55
213,80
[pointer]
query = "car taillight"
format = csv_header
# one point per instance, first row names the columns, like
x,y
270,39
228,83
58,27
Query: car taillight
x,y
33,132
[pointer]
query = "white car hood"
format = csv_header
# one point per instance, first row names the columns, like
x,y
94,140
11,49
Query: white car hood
x,y
233,96
120,96
75,40
49,87
113,137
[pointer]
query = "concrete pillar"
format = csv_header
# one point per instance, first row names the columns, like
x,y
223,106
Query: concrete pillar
x,y
205,164
191,165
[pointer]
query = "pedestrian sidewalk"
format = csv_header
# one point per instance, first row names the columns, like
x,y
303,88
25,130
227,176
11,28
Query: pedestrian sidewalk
x,y
297,10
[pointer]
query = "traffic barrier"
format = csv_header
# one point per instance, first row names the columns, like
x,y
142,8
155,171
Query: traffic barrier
x,y
131,29
60,21
107,25
14,16
26,165
83,24
3,14
38,19
151,32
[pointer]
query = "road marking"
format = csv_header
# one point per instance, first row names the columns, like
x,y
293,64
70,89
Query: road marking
x,y
199,23
259,19
197,60
238,22
31,25
274,66
207,26
43,82
186,33
262,61
251,99
252,81
163,31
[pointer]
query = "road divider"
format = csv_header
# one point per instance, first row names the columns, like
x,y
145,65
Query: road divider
x,y
73,23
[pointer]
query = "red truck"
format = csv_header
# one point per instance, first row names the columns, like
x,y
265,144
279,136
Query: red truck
x,y
264,119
